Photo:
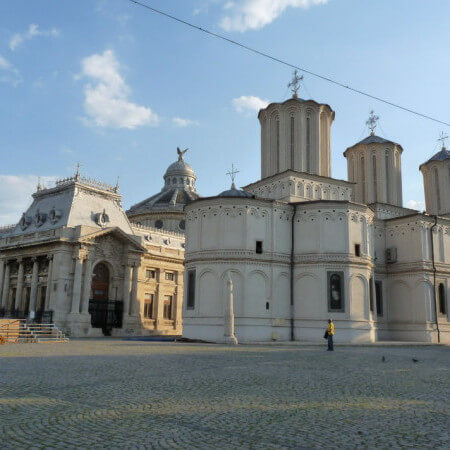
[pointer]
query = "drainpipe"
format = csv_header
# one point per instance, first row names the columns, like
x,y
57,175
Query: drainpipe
x,y
292,271
434,278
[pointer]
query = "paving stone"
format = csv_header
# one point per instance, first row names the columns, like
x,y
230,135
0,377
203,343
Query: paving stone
x,y
147,395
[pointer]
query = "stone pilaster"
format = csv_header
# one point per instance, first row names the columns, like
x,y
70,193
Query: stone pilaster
x,y
19,287
86,285
126,290
34,283
76,292
134,310
5,292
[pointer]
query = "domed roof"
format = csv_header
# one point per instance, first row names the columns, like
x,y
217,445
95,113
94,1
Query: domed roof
x,y
442,155
177,192
233,192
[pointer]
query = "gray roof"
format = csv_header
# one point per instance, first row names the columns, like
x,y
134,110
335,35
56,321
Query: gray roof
x,y
442,155
373,139
233,192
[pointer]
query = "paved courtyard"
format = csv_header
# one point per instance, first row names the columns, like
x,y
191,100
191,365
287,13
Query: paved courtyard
x,y
129,394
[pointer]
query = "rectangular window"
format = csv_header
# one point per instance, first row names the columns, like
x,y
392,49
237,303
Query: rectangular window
x,y
379,297
259,247
150,273
358,250
148,305
371,294
170,276
190,304
336,292
167,309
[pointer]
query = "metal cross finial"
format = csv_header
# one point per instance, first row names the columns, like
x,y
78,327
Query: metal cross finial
x,y
39,186
116,187
232,173
77,170
294,84
443,138
372,122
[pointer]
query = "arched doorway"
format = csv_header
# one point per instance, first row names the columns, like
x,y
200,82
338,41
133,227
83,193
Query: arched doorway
x,y
100,282
105,313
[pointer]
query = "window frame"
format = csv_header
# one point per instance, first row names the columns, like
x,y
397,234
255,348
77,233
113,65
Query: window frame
x,y
341,275
379,298
190,288
168,300
149,301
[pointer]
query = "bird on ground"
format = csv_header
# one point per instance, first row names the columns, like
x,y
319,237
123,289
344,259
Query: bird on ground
x,y
415,360
383,359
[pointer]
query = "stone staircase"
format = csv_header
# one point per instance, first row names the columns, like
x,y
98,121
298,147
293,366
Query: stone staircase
x,y
19,331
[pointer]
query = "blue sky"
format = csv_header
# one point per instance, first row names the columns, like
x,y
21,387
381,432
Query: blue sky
x,y
117,88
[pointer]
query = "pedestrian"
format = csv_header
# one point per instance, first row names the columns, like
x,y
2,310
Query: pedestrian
x,y
330,333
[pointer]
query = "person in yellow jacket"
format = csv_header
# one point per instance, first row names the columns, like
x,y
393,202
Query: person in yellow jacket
x,y
330,334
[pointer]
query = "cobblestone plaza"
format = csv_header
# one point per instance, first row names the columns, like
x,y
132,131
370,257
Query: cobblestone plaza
x,y
135,394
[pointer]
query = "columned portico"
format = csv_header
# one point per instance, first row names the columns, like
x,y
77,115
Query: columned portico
x,y
126,290
48,292
134,309
86,285
76,293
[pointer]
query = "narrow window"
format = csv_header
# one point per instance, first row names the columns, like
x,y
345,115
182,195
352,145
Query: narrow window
x,y
371,295
335,291
442,300
292,141
374,163
267,305
358,250
169,276
278,145
379,297
150,273
167,307
191,290
259,247
386,161
363,180
308,144
438,191
148,306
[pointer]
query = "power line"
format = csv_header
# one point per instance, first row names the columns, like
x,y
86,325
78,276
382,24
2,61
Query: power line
x,y
286,63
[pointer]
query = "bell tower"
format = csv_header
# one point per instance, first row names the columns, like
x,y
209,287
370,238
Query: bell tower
x,y
296,135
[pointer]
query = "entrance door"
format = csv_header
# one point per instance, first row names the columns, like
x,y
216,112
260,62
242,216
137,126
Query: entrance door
x,y
100,282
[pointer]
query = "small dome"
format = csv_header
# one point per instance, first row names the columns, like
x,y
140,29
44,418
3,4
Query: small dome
x,y
178,168
442,155
233,192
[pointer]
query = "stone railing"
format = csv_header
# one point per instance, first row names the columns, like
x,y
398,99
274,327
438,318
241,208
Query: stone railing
x,y
88,182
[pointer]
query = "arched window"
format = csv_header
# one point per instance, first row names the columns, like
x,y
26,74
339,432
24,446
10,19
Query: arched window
x,y
335,291
100,282
442,299
308,144
374,164
438,191
292,141
386,162
363,180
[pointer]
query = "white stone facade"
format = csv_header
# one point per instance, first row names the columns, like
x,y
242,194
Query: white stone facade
x,y
301,247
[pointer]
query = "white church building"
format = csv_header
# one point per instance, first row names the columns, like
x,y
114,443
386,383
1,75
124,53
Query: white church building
x,y
301,247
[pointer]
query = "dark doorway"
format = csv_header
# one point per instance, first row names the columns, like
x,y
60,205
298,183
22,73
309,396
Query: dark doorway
x,y
105,313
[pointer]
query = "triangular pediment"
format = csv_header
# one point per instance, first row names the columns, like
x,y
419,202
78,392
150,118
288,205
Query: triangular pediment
x,y
116,233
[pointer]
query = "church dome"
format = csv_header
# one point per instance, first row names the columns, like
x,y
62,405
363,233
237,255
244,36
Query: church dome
x,y
180,167
442,155
233,192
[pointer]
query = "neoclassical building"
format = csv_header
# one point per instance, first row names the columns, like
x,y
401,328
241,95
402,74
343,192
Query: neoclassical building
x,y
301,247
74,258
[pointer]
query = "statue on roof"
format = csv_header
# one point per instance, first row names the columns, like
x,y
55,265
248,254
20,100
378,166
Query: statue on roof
x,y
181,153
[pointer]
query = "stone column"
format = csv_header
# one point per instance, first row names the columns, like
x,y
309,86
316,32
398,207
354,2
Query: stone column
x,y
48,291
5,292
19,287
34,283
228,325
2,269
86,285
134,309
76,292
126,290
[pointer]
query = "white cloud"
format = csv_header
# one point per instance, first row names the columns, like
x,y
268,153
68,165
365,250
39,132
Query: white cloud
x,y
15,195
255,14
415,204
249,103
179,122
8,73
32,32
106,102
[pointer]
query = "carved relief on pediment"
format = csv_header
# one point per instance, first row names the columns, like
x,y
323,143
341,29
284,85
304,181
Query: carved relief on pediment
x,y
110,249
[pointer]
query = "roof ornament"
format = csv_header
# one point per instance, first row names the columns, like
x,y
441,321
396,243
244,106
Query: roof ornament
x,y
77,171
232,174
116,187
443,138
181,153
372,122
294,84
39,185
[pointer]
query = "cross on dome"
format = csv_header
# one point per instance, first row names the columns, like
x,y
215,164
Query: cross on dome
x,y
294,84
232,174
443,139
372,122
